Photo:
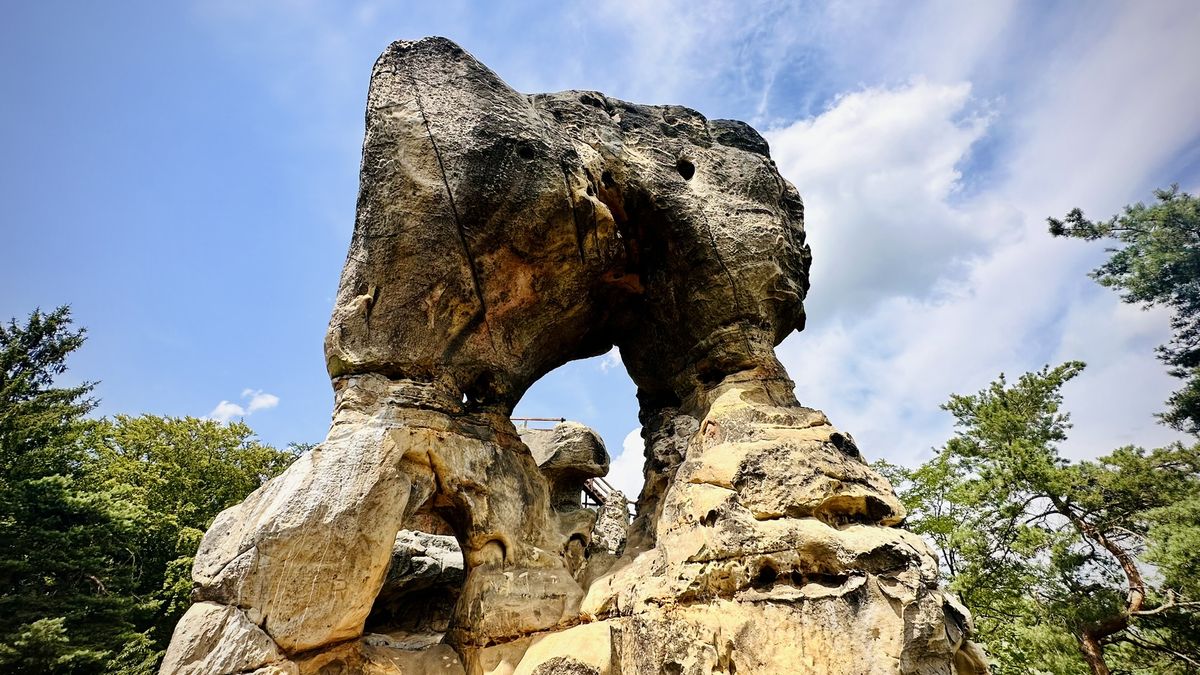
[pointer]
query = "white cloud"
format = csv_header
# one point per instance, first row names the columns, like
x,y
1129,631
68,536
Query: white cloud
x,y
943,40
1117,107
255,400
259,400
877,172
226,411
625,471
611,359
920,290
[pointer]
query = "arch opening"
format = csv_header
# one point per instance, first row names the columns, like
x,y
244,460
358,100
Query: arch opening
x,y
598,393
415,606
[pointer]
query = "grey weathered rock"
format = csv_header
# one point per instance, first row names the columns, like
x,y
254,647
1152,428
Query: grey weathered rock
x,y
421,560
416,601
498,236
666,432
611,530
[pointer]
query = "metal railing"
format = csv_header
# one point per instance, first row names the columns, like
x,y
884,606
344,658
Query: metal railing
x,y
526,420
599,490
596,491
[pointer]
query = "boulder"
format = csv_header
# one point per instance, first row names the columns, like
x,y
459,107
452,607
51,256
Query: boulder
x,y
567,455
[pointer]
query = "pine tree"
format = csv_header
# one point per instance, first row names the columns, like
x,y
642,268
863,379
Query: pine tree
x,y
63,566
1068,567
1156,263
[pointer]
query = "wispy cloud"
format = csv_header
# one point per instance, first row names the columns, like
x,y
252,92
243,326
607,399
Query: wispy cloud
x,y
610,360
259,400
929,141
254,401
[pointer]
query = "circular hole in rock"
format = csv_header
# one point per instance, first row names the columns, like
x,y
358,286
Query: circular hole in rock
x,y
766,576
685,168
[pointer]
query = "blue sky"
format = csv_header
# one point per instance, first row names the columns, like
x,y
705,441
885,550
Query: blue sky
x,y
184,174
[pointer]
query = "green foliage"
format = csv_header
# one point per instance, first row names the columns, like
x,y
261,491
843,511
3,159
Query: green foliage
x,y
1050,554
1174,550
1157,262
64,548
43,647
39,424
1175,544
99,519
180,473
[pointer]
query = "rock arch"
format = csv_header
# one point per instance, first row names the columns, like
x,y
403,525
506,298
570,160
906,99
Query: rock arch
x,y
498,236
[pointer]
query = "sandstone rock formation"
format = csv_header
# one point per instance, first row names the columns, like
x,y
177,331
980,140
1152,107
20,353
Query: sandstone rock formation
x,y
417,599
567,456
498,236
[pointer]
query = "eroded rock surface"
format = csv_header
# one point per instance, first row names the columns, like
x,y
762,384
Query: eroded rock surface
x,y
567,456
416,602
498,236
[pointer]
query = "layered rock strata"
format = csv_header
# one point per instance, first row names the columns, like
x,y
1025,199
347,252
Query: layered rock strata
x,y
499,236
